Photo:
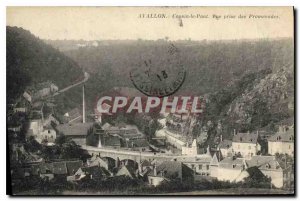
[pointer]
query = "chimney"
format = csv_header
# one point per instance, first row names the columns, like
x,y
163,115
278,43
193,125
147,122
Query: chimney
x,y
221,138
83,105
207,150
140,168
154,170
234,132
117,163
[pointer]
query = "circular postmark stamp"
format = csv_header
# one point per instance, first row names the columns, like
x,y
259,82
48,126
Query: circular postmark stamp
x,y
161,75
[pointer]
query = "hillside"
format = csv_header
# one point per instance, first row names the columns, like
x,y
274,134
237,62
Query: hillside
x,y
257,101
209,64
30,61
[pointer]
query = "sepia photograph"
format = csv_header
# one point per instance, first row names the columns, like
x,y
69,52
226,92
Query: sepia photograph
x,y
106,101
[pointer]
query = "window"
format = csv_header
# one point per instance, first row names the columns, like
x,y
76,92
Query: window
x,y
193,166
289,146
234,165
207,167
48,131
151,181
200,167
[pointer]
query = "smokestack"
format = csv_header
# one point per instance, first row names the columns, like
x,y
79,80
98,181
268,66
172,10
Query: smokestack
x,y
83,105
154,170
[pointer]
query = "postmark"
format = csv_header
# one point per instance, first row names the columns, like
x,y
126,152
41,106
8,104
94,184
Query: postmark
x,y
159,76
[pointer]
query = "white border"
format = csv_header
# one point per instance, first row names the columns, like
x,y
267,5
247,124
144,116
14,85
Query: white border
x,y
5,3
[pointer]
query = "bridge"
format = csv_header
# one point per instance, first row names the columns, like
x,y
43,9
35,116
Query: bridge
x,y
121,154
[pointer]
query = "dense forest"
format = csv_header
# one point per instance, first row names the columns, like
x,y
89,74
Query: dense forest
x,y
209,64
30,61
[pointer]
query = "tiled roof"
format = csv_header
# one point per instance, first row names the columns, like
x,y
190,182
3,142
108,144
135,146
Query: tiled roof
x,y
73,166
74,113
215,160
287,136
245,138
232,163
225,144
95,171
264,162
112,141
62,167
76,129
139,142
168,169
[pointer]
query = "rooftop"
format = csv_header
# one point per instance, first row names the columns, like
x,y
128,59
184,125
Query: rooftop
x,y
232,163
287,136
225,144
245,138
264,162
76,129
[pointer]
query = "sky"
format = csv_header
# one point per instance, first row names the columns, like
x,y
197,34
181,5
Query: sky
x,y
111,23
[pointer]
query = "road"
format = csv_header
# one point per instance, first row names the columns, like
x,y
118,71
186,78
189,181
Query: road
x,y
86,77
123,152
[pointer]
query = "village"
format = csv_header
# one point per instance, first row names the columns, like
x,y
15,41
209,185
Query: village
x,y
124,150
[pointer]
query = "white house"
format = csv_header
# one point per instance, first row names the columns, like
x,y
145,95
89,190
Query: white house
x,y
225,146
190,150
246,144
230,169
282,142
270,167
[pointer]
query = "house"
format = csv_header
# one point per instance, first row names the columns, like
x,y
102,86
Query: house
x,y
48,135
41,133
21,106
111,141
73,166
137,144
27,96
282,142
144,168
270,167
94,172
39,91
73,116
200,164
75,131
43,170
97,161
230,169
127,170
14,128
50,120
169,171
190,150
225,146
51,170
214,165
246,144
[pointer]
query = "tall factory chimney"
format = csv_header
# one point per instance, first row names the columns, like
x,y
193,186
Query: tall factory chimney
x,y
83,105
